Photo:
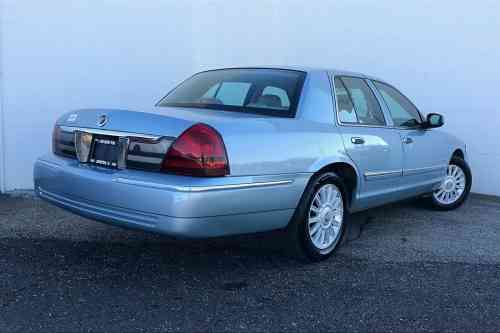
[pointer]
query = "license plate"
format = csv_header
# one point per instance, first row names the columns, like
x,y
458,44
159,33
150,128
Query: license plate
x,y
105,151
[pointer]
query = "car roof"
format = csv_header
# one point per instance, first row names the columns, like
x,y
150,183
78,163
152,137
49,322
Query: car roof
x,y
308,69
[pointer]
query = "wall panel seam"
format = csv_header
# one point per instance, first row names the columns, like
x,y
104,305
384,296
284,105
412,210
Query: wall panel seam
x,y
2,99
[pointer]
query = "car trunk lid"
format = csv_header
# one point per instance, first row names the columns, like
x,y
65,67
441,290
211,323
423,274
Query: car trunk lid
x,y
151,132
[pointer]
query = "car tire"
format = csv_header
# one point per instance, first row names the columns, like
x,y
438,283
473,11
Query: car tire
x,y
330,218
459,177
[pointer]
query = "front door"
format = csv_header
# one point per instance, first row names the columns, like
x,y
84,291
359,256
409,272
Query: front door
x,y
424,154
375,148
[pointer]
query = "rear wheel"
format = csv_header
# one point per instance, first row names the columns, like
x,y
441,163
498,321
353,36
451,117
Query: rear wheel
x,y
319,221
455,188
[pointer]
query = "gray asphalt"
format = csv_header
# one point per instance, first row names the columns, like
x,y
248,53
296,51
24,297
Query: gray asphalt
x,y
410,269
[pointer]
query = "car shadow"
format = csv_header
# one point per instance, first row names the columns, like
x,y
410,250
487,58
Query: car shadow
x,y
130,250
226,264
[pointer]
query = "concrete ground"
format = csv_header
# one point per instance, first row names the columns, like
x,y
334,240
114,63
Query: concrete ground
x,y
411,269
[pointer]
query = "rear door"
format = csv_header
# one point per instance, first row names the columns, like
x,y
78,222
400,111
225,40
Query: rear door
x,y
374,146
424,154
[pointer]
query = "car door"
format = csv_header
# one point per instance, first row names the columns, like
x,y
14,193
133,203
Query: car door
x,y
424,154
374,147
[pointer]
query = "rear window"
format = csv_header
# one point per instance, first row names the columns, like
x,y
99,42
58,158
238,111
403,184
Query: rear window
x,y
272,92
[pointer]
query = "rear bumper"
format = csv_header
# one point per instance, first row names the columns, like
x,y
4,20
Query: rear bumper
x,y
174,205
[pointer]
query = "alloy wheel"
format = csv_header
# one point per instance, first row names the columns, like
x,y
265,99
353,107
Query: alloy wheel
x,y
326,216
452,187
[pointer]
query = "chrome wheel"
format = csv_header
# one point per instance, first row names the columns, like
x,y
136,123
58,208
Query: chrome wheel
x,y
452,187
326,216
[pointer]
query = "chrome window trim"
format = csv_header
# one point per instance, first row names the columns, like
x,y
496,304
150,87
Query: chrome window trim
x,y
177,188
113,133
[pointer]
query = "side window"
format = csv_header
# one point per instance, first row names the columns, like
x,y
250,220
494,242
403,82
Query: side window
x,y
366,107
346,111
403,112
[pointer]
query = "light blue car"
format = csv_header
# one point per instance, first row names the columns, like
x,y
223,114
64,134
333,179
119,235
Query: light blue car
x,y
246,150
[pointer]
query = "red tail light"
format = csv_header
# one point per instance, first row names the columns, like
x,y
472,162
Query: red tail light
x,y
199,151
56,137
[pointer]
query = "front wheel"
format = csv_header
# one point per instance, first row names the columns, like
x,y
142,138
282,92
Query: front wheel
x,y
455,187
318,224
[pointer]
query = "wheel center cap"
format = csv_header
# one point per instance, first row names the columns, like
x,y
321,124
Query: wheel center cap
x,y
326,216
449,185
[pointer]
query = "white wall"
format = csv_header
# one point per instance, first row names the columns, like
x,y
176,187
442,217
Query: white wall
x,y
60,55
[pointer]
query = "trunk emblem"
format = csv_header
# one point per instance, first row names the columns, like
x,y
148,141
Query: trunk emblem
x,y
102,120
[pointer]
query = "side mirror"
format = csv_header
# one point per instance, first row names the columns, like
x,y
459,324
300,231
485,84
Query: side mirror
x,y
434,120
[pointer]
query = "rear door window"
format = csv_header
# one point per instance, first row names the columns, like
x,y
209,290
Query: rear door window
x,y
346,112
357,103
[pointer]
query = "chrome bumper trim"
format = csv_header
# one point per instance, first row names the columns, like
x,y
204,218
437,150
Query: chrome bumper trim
x,y
199,188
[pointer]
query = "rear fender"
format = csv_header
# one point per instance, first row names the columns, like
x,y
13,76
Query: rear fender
x,y
327,161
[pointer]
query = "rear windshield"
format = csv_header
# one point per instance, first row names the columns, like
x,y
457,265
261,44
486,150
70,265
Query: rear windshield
x,y
263,91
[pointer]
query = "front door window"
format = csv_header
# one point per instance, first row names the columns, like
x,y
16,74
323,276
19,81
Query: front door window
x,y
403,112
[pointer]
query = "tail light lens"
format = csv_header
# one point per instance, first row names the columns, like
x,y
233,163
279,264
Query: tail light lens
x,y
199,152
56,137
63,143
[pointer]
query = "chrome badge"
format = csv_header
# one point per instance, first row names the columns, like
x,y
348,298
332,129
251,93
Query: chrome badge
x,y
102,120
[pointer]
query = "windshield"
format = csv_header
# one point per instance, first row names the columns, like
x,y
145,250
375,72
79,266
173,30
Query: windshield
x,y
263,91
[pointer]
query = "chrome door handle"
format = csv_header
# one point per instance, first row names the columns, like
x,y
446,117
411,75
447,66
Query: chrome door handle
x,y
407,140
357,141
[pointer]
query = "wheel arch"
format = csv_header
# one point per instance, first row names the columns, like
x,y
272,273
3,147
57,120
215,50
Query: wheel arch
x,y
347,172
458,153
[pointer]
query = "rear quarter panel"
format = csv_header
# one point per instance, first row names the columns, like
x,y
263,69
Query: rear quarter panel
x,y
272,145
286,146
